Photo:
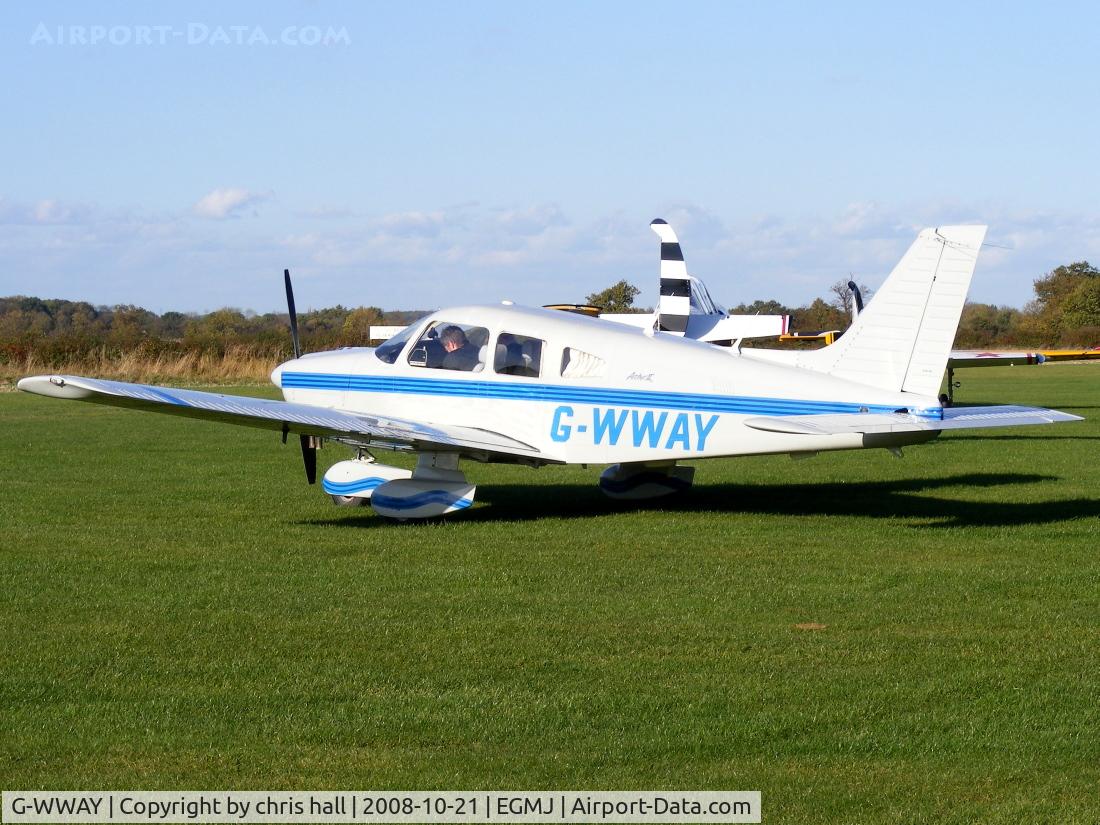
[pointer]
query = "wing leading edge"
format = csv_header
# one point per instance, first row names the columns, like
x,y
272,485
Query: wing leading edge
x,y
303,419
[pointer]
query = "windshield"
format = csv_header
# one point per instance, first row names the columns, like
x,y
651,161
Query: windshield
x,y
701,300
389,350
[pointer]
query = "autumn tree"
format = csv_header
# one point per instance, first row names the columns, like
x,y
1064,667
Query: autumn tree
x,y
761,307
1081,314
819,317
1066,308
842,295
986,325
356,330
130,325
618,297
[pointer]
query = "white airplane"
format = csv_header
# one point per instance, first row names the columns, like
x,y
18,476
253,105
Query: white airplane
x,y
508,384
685,307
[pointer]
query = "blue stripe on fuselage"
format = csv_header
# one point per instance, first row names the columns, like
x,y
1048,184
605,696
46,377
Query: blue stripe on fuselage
x,y
741,404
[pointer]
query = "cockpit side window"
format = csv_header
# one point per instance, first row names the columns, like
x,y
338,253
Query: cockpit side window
x,y
576,363
518,355
450,346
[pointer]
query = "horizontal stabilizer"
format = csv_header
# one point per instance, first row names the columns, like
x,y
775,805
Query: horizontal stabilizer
x,y
954,418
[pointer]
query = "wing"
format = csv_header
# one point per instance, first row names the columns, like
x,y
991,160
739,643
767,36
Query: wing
x,y
985,358
641,320
304,419
954,418
732,327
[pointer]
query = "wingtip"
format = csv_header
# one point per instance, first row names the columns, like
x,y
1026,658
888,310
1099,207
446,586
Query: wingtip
x,y
54,386
34,383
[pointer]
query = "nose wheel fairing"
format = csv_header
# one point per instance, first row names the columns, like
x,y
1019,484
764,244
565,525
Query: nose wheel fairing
x,y
436,487
354,482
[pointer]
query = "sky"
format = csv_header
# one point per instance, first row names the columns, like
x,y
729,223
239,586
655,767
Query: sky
x,y
418,155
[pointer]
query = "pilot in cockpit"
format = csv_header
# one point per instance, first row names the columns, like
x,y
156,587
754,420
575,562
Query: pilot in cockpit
x,y
461,354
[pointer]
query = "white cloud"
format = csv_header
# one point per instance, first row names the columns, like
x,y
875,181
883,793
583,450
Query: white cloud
x,y
228,203
694,224
413,224
45,212
866,220
325,213
532,220
438,256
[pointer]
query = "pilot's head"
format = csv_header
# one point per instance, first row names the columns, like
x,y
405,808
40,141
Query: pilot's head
x,y
452,338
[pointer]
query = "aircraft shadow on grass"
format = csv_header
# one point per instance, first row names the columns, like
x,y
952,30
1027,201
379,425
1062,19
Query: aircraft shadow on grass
x,y
905,499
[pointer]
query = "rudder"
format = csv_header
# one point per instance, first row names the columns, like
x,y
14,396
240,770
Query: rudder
x,y
901,341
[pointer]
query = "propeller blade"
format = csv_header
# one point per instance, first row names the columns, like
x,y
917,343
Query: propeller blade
x,y
309,448
309,458
293,316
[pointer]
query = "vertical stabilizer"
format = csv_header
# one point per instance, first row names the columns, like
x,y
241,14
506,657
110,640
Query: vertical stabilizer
x,y
902,338
675,303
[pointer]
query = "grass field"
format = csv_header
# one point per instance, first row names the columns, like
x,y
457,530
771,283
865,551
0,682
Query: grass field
x,y
181,612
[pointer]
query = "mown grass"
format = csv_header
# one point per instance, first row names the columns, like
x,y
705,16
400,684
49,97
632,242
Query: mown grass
x,y
181,611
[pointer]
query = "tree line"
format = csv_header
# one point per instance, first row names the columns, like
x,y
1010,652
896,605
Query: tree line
x,y
56,330
1065,312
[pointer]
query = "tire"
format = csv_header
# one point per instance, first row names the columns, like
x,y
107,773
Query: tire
x,y
350,501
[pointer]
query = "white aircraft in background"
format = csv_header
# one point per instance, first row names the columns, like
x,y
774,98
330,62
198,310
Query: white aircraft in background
x,y
701,318
502,383
685,307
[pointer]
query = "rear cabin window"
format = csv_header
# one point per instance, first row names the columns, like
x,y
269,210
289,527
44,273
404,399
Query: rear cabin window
x,y
518,355
449,346
576,363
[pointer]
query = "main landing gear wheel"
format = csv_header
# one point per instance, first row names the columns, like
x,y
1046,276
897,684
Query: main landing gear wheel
x,y
638,481
350,501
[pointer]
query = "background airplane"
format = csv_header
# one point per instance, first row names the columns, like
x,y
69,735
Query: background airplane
x,y
715,326
501,383
686,308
